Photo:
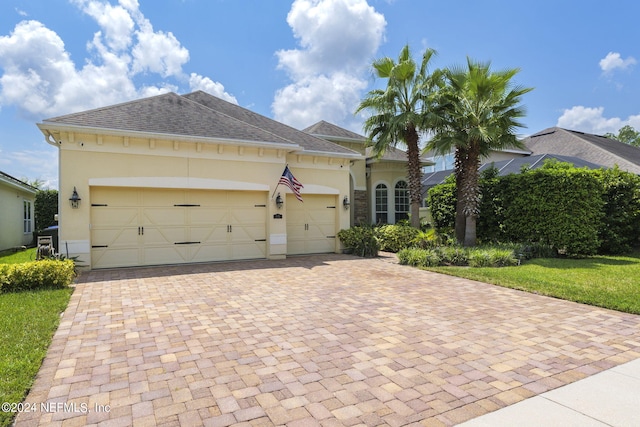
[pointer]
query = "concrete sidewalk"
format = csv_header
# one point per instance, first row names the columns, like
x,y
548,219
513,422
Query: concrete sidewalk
x,y
610,398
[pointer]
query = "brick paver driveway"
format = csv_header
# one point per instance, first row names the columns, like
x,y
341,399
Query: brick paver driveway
x,y
324,340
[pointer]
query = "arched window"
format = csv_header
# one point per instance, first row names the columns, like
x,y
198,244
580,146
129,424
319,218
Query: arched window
x,y
402,201
382,205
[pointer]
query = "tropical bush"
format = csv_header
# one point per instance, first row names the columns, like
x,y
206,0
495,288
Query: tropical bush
x,y
394,237
360,240
458,256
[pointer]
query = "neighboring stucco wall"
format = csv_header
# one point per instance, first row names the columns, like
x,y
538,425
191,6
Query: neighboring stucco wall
x,y
11,216
89,160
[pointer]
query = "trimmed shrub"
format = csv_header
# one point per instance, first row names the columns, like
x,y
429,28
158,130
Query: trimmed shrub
x,y
449,256
620,229
49,274
360,240
394,237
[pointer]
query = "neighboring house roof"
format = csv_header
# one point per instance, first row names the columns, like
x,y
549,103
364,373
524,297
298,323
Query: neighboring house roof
x,y
506,167
196,115
16,183
593,148
327,130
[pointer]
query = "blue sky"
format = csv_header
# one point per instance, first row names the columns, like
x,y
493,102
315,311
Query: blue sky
x,y
302,61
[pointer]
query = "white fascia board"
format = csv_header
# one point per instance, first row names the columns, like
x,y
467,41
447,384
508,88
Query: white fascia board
x,y
354,156
46,128
23,187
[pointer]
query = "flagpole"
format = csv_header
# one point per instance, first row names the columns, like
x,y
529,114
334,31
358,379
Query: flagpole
x,y
276,189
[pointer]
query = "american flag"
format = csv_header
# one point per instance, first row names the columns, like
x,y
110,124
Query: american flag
x,y
290,181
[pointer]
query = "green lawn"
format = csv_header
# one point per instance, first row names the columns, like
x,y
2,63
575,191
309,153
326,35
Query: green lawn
x,y
28,321
11,257
604,281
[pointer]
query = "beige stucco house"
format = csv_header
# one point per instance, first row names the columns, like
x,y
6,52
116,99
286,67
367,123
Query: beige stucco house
x,y
16,212
192,178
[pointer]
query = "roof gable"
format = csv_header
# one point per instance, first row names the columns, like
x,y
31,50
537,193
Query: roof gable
x,y
326,129
305,140
593,148
169,114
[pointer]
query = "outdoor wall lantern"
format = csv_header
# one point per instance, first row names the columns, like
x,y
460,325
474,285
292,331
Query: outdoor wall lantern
x,y
74,199
345,202
279,201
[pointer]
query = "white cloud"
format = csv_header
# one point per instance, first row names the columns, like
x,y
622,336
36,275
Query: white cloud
x,y
40,79
198,82
338,40
592,120
614,61
319,98
40,164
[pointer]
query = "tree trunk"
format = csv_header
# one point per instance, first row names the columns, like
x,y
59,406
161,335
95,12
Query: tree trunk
x,y
460,223
471,193
414,174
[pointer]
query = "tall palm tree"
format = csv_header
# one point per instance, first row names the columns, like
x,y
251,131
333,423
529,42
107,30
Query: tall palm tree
x,y
477,111
398,114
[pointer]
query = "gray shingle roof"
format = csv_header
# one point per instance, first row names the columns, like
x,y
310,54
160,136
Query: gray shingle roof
x,y
592,148
305,140
197,114
323,128
506,167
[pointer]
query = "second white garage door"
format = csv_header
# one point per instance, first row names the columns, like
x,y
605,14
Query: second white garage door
x,y
311,225
134,226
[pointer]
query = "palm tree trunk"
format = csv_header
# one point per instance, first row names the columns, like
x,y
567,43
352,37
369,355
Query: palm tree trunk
x,y
471,194
460,223
414,173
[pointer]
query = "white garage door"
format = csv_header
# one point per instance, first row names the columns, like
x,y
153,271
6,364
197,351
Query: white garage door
x,y
132,226
311,225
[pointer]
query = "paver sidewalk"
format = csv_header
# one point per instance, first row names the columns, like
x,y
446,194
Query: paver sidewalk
x,y
312,341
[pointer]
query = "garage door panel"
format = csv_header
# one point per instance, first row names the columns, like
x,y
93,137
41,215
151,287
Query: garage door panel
x,y
311,224
165,235
112,257
164,216
215,234
114,197
114,237
114,217
167,226
208,215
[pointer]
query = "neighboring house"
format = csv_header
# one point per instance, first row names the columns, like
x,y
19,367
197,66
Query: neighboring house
x,y
446,162
506,167
17,200
592,148
378,187
179,179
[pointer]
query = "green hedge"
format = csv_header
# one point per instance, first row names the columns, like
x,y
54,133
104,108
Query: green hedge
x,y
575,211
360,240
50,274
458,256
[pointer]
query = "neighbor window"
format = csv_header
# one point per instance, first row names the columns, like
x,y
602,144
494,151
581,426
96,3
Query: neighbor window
x,y
28,222
402,201
381,204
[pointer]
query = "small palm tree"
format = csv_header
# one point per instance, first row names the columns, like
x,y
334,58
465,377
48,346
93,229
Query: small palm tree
x,y
399,114
477,111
